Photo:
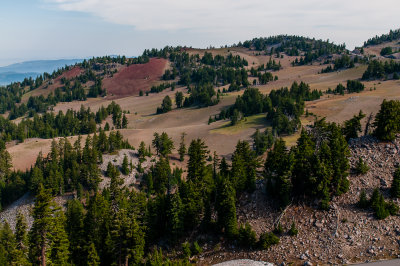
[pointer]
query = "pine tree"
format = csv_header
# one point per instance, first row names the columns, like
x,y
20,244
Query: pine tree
x,y
74,228
293,230
387,120
59,247
363,201
92,258
361,167
39,236
125,166
7,244
21,233
182,148
174,215
353,126
142,152
124,121
226,209
395,190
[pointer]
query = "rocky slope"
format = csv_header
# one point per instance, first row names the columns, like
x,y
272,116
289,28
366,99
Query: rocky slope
x,y
344,234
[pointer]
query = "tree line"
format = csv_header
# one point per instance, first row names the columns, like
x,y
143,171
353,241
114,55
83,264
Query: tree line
x,y
50,125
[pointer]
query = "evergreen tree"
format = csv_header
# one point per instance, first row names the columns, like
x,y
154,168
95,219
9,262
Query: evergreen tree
x,y
395,189
7,244
125,166
59,248
182,148
39,236
92,258
353,126
179,99
75,230
174,215
226,209
387,121
361,167
277,172
124,121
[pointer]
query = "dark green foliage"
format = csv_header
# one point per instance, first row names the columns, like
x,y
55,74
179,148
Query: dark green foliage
x,y
277,172
50,125
395,189
294,46
378,69
284,107
161,87
391,36
317,166
226,208
361,167
163,144
186,250
179,99
125,166
244,168
342,62
196,249
382,209
182,148
387,120
166,105
363,201
267,240
293,231
386,51
262,141
247,237
352,127
278,230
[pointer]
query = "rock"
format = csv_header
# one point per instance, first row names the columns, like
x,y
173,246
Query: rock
x,y
307,263
303,256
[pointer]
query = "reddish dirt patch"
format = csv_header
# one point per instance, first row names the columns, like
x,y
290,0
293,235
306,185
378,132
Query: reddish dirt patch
x,y
130,80
72,73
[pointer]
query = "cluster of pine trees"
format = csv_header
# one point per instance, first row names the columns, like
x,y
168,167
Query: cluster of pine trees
x,y
294,46
120,226
316,168
352,86
378,70
50,125
342,62
228,61
391,36
66,168
283,107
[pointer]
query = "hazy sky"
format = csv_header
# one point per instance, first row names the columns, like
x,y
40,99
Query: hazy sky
x,y
53,29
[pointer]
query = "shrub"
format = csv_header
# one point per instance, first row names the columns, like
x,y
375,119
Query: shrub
x,y
267,240
361,167
293,231
196,249
247,237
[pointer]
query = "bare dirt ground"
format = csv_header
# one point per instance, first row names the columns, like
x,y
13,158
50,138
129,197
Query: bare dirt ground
x,y
130,80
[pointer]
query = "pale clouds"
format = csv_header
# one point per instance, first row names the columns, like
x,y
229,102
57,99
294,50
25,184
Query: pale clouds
x,y
337,20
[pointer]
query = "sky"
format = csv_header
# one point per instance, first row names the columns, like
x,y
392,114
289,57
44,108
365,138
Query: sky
x,y
55,29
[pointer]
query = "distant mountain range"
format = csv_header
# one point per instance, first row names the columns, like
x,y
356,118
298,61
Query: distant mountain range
x,y
19,71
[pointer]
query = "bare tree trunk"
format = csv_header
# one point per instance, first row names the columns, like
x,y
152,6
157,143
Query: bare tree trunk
x,y
43,255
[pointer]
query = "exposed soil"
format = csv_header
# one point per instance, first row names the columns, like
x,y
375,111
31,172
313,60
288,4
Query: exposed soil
x,y
130,80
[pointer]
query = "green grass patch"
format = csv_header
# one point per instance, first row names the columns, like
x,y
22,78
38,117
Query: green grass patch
x,y
247,122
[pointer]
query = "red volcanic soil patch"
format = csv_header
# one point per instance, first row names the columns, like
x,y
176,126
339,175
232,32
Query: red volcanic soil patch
x,y
72,73
130,80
